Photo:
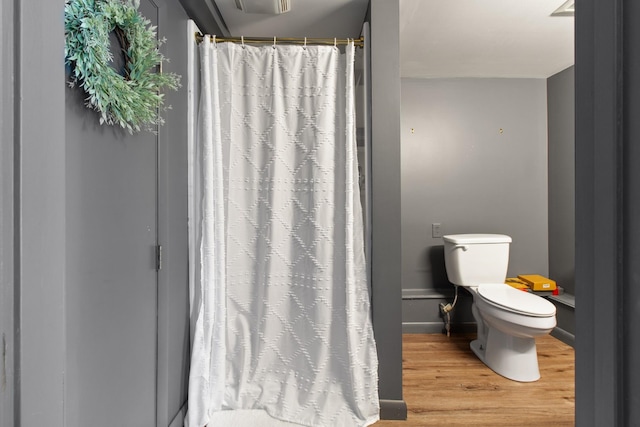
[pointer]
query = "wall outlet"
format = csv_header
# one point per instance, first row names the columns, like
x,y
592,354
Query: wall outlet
x,y
436,230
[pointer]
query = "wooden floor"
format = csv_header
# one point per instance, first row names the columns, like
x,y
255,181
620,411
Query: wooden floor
x,y
446,385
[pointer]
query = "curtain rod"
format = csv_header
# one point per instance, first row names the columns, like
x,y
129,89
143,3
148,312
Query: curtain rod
x,y
285,40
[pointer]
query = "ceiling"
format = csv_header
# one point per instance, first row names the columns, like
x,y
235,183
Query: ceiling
x,y
307,18
438,38
488,38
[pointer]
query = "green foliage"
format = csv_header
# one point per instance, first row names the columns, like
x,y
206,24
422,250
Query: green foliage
x,y
131,101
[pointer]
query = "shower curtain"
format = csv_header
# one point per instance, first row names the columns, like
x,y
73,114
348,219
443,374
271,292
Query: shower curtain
x,y
279,301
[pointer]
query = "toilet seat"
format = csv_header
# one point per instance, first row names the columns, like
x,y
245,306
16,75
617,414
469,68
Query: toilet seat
x,y
516,301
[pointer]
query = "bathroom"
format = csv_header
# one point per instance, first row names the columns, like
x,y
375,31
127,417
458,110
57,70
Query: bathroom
x,y
487,147
476,160
45,309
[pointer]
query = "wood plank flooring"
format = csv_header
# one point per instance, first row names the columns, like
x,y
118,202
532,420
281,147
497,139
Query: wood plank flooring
x,y
446,385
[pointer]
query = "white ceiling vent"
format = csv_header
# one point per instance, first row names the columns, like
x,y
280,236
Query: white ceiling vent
x,y
271,7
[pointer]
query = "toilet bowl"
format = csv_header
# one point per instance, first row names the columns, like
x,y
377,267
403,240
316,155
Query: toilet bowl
x,y
508,320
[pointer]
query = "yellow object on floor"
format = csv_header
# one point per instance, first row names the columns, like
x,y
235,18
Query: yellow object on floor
x,y
537,282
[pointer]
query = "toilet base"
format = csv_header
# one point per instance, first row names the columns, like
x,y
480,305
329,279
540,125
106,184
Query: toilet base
x,y
512,357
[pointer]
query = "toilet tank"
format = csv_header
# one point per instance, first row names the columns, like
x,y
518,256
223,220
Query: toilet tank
x,y
476,259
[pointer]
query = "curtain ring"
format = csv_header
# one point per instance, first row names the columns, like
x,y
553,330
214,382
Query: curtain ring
x,y
242,40
274,42
335,42
305,44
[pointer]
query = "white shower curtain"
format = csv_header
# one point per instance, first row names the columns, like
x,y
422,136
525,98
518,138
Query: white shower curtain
x,y
279,302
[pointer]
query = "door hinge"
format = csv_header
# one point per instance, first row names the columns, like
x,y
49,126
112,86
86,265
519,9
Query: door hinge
x,y
158,257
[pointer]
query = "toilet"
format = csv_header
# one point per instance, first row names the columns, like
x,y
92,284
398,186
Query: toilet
x,y
508,319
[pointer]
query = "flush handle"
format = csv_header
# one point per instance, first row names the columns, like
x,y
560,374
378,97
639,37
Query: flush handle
x,y
463,247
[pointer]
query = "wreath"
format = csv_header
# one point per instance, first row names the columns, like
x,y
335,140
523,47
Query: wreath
x,y
131,99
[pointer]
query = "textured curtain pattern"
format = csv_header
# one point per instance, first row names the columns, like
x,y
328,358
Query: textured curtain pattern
x,y
280,309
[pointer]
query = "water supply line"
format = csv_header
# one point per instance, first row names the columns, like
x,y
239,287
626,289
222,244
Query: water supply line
x,y
446,310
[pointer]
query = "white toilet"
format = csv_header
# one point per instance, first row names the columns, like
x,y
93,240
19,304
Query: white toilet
x,y
508,319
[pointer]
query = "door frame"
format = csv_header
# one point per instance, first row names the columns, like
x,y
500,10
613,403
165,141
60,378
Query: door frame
x,y
34,201
7,240
173,356
607,212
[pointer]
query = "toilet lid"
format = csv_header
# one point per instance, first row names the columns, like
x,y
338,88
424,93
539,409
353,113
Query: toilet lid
x,y
516,300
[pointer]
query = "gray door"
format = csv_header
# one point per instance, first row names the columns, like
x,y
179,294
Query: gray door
x,y
111,291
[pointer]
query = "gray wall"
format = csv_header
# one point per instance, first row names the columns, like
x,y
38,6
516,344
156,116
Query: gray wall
x,y
32,255
474,159
562,220
173,290
33,211
561,119
7,257
386,217
41,226
102,283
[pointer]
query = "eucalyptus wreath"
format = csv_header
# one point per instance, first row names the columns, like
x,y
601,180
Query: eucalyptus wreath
x,y
131,99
